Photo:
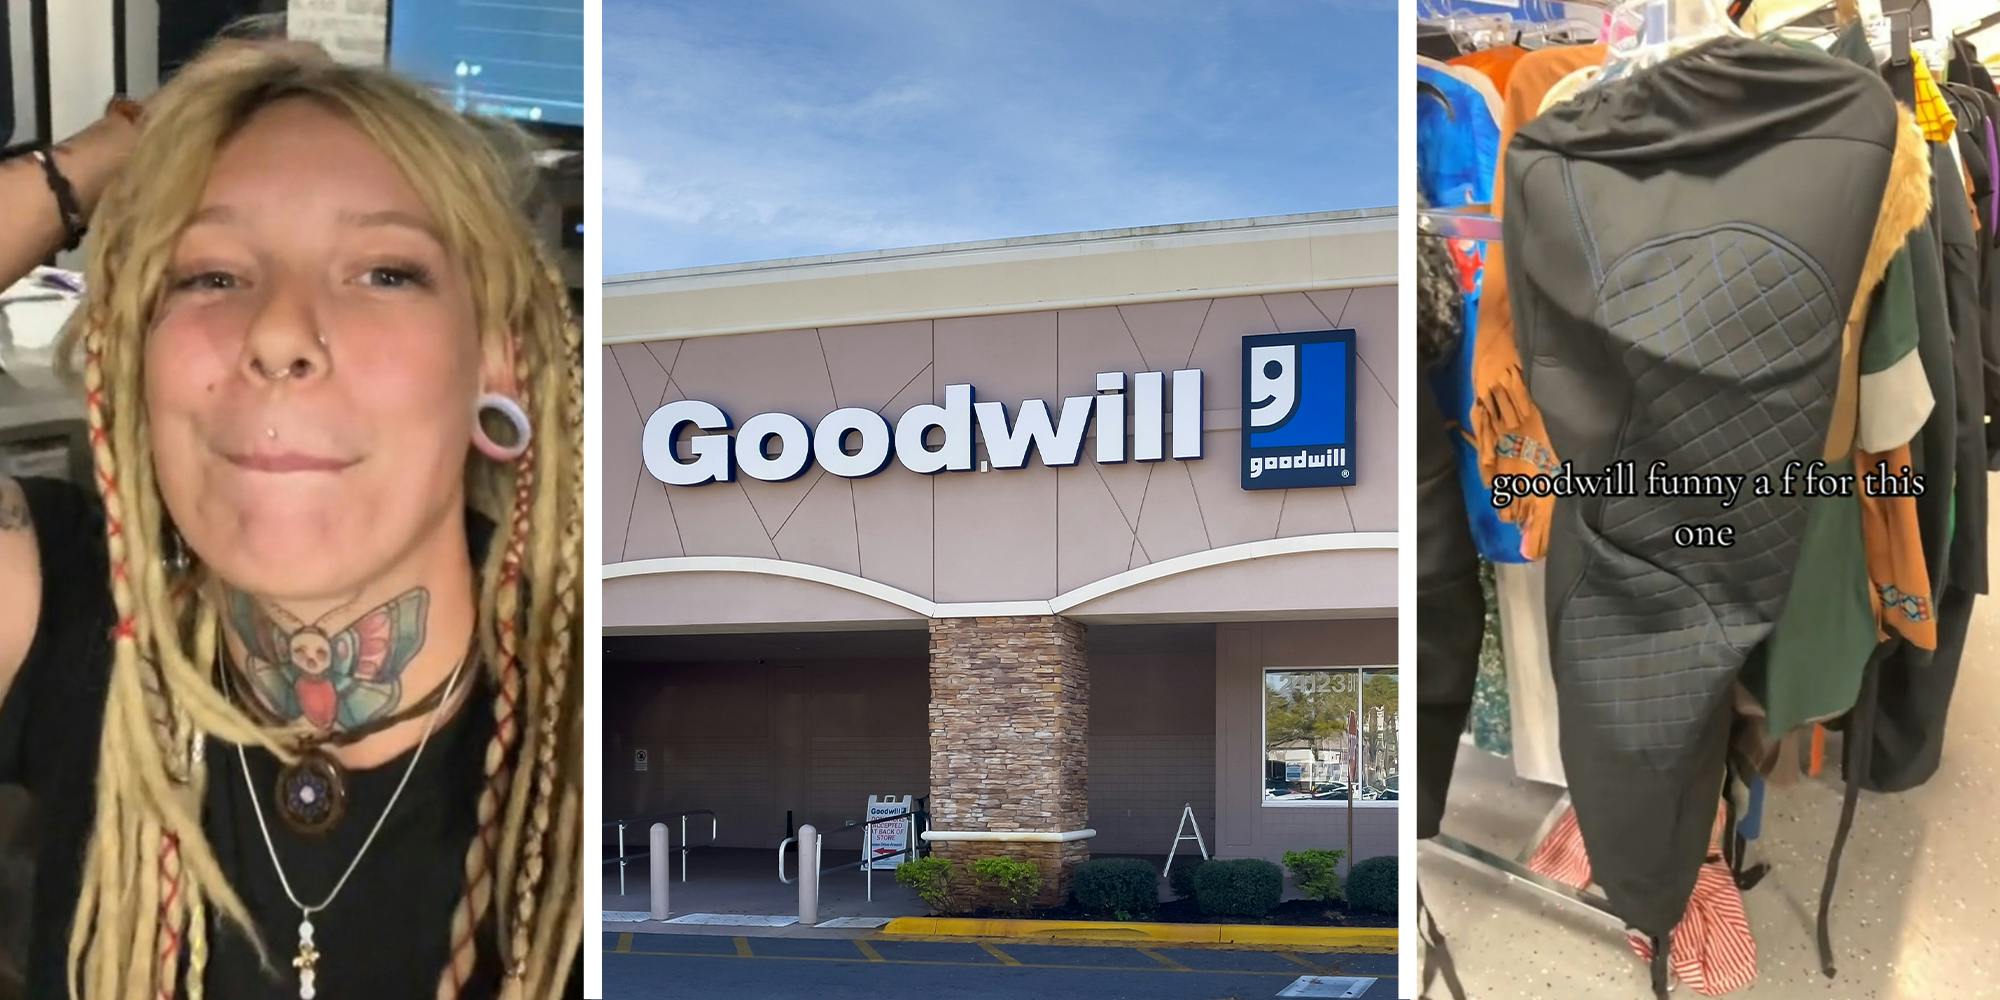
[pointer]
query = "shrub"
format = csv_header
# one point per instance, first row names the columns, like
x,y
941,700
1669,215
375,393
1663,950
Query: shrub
x,y
1181,876
1123,887
1316,873
1015,882
1371,885
1242,887
930,878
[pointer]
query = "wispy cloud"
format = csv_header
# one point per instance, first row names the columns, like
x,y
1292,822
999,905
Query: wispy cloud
x,y
742,132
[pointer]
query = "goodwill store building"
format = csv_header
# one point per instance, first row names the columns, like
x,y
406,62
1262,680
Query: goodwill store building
x,y
1062,534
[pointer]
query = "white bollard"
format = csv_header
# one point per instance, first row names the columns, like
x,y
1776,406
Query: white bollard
x,y
808,875
663,866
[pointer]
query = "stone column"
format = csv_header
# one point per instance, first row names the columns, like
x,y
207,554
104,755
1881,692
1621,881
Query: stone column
x,y
1010,720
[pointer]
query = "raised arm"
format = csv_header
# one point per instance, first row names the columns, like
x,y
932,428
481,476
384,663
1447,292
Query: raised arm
x,y
34,229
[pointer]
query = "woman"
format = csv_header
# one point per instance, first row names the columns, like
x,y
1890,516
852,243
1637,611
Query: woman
x,y
296,685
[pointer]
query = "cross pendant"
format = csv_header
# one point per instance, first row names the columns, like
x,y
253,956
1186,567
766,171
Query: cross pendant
x,y
308,957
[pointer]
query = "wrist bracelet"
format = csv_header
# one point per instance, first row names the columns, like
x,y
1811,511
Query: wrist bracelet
x,y
66,203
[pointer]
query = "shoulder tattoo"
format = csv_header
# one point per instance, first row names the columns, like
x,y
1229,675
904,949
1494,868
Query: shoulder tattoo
x,y
13,507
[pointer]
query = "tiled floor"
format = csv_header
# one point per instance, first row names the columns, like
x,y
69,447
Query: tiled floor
x,y
1916,910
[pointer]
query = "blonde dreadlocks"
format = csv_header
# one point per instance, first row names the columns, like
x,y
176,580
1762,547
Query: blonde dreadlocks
x,y
149,873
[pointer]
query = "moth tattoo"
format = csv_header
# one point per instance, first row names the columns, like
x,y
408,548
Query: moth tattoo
x,y
338,680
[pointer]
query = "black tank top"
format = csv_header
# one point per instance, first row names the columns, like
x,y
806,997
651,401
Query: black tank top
x,y
385,937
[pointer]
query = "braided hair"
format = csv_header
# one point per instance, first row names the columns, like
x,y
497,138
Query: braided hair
x,y
150,875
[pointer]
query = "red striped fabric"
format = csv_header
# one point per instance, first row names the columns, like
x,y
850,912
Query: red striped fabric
x,y
1713,950
1561,856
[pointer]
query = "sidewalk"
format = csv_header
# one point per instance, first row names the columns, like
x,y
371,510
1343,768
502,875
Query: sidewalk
x,y
745,881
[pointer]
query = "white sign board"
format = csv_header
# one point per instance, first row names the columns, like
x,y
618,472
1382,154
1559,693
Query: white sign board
x,y
638,760
887,842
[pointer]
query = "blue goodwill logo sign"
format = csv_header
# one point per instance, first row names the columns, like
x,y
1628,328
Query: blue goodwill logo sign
x,y
1298,410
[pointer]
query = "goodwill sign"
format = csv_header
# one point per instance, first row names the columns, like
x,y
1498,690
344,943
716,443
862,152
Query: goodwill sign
x,y
1298,423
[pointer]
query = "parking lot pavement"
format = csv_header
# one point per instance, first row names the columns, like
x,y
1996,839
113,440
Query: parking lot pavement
x,y
710,967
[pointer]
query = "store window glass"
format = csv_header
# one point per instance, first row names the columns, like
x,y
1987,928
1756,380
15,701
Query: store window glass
x,y
1330,736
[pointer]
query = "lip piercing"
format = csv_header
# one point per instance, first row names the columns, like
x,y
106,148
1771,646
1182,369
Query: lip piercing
x,y
271,432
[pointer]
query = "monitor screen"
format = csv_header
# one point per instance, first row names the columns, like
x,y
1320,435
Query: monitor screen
x,y
519,59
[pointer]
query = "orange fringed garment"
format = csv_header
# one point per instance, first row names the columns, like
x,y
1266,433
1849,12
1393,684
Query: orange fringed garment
x,y
1506,426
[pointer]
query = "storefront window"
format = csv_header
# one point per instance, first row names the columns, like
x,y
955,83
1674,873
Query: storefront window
x,y
1330,735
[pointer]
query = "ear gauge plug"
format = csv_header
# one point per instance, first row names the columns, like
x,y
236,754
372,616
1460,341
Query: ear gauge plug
x,y
511,411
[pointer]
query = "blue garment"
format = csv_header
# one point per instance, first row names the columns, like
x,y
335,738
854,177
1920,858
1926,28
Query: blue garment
x,y
1458,142
1458,146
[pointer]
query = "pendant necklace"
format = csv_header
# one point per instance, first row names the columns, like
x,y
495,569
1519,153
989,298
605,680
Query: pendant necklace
x,y
308,957
311,792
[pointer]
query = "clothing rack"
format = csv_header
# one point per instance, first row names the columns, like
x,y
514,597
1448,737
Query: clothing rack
x,y
1516,868
1477,222
1898,34
1982,24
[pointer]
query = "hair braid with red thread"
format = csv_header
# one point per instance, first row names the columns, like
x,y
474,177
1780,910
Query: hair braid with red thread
x,y
124,631
536,548
563,921
478,893
556,410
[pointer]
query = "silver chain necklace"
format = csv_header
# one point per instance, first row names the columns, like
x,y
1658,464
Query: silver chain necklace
x,y
308,955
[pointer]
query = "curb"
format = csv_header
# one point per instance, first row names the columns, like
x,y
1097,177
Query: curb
x,y
1357,939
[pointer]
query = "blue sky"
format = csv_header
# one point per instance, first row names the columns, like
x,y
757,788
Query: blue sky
x,y
752,131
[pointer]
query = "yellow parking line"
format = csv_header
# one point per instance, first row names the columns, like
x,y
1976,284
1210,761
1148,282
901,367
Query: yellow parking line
x,y
868,950
1162,959
1005,959
743,948
625,941
1294,957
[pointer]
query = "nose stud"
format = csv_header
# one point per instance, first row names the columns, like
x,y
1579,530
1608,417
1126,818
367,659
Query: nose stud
x,y
297,369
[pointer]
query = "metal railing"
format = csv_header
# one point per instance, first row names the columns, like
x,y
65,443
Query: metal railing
x,y
714,831
909,851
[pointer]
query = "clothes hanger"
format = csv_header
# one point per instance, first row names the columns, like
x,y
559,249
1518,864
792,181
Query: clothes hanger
x,y
1473,32
1568,31
1640,33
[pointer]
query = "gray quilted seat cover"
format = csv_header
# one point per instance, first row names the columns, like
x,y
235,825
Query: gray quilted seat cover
x,y
1685,245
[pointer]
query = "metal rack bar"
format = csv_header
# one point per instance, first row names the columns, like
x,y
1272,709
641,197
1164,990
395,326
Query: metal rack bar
x,y
1517,869
1983,23
1471,222
1519,872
